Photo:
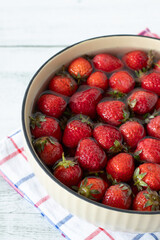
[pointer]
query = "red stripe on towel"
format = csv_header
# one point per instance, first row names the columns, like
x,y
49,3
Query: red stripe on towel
x,y
42,200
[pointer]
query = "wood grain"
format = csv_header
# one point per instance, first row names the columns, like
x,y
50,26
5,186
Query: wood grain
x,y
17,67
20,220
62,22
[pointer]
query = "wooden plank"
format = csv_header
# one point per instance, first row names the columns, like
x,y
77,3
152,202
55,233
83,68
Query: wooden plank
x,y
62,22
20,220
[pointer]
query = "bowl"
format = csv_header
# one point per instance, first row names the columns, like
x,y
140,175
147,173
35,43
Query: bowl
x,y
93,212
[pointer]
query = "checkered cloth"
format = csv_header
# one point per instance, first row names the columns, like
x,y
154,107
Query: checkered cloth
x,y
16,170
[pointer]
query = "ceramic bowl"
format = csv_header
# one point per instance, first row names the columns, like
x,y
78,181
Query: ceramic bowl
x,y
93,212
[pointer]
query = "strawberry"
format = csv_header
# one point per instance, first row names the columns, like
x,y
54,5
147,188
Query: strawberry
x,y
106,62
151,82
157,107
146,200
101,174
147,175
118,196
121,167
68,171
42,125
106,135
85,100
93,188
51,105
80,68
122,81
149,150
142,101
63,84
112,111
132,132
77,128
136,60
157,66
98,79
90,155
48,149
153,127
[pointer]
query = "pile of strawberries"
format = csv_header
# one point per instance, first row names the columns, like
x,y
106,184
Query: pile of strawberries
x,y
97,128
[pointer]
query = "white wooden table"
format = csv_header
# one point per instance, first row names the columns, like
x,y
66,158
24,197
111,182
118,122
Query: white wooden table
x,y
31,31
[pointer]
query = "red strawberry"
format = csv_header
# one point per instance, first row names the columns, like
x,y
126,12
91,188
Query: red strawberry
x,y
153,127
132,132
121,167
80,68
63,84
157,107
146,200
157,66
90,156
136,60
149,150
51,105
118,196
142,101
68,171
77,128
147,175
112,111
151,82
93,188
85,101
106,135
45,126
107,62
48,149
122,81
98,79
101,174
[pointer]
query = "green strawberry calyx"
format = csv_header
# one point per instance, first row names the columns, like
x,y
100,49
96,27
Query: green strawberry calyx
x,y
136,155
150,60
85,119
66,163
148,117
132,103
35,121
156,64
41,142
117,94
153,200
80,79
125,187
86,190
125,116
138,179
111,179
95,173
142,71
116,148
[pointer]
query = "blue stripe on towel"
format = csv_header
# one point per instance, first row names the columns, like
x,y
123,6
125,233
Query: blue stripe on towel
x,y
137,237
15,133
154,236
64,220
24,179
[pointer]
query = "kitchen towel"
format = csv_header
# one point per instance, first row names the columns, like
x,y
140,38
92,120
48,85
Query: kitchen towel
x,y
16,170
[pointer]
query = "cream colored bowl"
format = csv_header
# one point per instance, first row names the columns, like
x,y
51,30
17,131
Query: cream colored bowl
x,y
96,213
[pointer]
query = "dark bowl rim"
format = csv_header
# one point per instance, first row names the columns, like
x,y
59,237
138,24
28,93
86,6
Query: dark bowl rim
x,y
34,154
